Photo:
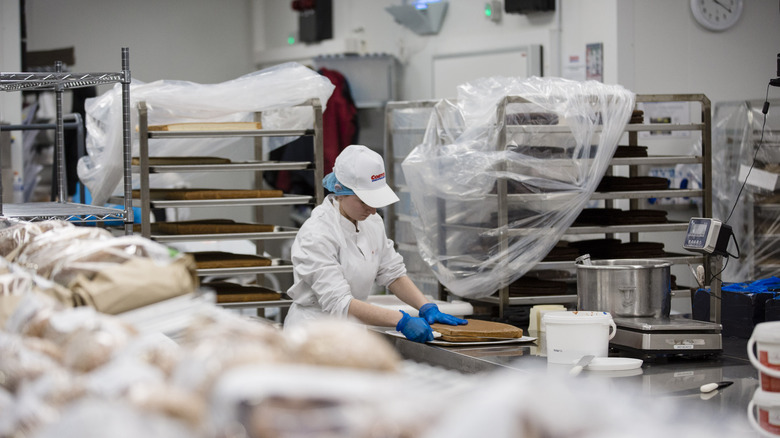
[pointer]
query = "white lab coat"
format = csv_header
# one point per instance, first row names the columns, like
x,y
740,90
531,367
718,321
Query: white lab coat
x,y
334,263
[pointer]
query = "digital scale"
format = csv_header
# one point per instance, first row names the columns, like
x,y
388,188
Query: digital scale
x,y
677,336
673,336
708,236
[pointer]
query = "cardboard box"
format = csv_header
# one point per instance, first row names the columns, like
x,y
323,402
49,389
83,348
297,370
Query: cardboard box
x,y
760,178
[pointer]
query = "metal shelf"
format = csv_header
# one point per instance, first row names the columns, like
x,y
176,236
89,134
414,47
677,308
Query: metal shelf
x,y
282,200
645,194
532,301
281,233
277,266
144,169
565,129
638,228
39,211
256,304
654,160
228,167
235,133
58,81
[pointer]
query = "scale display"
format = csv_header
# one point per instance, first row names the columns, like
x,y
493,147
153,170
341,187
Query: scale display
x,y
702,235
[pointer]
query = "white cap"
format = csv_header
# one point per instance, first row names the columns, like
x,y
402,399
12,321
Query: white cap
x,y
363,170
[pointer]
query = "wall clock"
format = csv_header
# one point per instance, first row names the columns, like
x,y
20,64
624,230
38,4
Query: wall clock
x,y
716,15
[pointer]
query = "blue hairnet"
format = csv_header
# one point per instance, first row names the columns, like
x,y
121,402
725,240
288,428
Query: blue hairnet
x,y
330,182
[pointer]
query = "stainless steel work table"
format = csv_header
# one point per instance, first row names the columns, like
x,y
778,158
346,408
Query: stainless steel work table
x,y
665,377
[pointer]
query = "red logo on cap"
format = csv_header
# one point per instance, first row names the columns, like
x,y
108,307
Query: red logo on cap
x,y
377,177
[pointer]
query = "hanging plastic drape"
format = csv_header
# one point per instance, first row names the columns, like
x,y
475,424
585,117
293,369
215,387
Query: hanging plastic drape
x,y
503,171
744,139
275,91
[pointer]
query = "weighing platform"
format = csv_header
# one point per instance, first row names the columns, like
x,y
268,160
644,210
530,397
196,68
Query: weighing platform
x,y
648,337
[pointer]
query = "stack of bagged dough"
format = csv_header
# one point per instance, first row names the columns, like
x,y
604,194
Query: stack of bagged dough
x,y
89,266
55,358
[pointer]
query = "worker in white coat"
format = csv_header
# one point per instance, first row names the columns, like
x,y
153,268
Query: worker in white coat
x,y
342,250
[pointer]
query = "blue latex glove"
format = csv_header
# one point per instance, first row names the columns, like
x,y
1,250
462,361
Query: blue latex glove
x,y
415,329
430,312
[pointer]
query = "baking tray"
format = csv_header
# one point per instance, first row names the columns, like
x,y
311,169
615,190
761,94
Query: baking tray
x,y
524,339
278,233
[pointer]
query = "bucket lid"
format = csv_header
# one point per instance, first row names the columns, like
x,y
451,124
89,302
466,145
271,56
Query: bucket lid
x,y
767,332
577,317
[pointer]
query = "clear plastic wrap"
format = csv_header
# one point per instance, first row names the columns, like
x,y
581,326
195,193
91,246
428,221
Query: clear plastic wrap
x,y
298,400
273,90
14,234
129,391
94,417
62,254
551,150
40,401
17,282
106,272
217,341
21,363
752,212
337,343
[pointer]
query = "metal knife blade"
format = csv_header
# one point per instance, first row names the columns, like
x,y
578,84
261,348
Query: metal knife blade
x,y
582,363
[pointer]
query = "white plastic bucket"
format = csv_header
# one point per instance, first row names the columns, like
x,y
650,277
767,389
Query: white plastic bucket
x,y
538,311
764,413
571,335
766,339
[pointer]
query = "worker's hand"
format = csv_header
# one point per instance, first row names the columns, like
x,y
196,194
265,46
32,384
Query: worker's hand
x,y
432,315
415,329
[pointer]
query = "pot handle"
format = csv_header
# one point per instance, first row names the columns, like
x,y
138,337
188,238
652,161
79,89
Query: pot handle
x,y
613,327
757,363
628,299
583,260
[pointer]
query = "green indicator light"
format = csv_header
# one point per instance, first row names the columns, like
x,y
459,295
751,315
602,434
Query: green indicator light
x,y
488,10
291,40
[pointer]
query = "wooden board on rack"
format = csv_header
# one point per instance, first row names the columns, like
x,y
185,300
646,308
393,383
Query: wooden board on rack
x,y
215,126
195,194
219,259
208,226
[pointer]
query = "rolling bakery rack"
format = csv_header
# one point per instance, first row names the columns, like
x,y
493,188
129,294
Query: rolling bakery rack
x,y
402,137
59,81
144,169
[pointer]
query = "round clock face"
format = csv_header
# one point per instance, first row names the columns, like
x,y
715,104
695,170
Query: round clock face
x,y
716,15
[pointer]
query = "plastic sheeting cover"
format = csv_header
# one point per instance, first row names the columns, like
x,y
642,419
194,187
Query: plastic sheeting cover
x,y
558,145
744,136
275,91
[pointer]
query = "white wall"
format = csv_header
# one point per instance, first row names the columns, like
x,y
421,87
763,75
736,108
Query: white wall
x,y
197,40
682,57
649,46
10,57
465,29
10,102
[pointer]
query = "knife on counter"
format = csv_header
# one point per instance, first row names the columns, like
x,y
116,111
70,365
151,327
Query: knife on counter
x,y
707,388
